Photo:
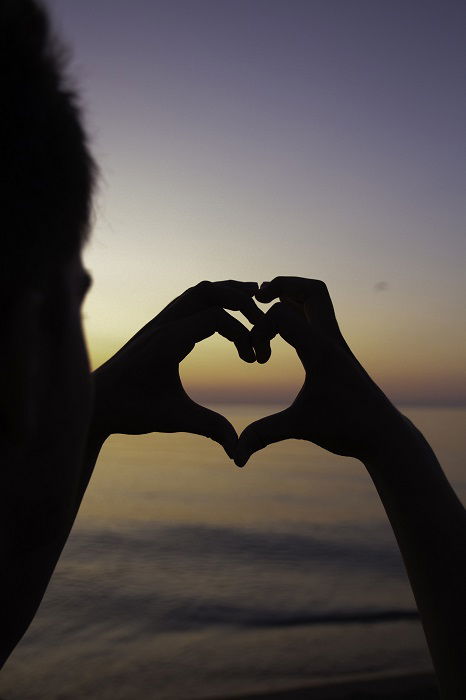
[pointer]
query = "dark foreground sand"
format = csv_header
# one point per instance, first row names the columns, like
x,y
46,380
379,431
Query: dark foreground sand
x,y
414,687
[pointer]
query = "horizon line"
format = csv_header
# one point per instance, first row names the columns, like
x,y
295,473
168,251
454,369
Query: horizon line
x,y
421,403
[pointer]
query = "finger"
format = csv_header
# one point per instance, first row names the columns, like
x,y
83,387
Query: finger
x,y
191,330
298,288
229,294
261,433
312,294
203,421
249,288
283,320
238,296
296,305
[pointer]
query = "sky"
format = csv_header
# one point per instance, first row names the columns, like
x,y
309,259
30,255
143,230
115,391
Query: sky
x,y
244,139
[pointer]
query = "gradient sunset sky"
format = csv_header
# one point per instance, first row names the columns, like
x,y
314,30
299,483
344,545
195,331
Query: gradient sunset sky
x,y
247,139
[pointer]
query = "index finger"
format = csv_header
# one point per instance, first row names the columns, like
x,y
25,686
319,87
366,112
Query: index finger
x,y
282,320
249,288
185,333
300,289
229,294
312,295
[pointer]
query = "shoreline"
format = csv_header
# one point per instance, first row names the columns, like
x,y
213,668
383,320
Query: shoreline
x,y
420,686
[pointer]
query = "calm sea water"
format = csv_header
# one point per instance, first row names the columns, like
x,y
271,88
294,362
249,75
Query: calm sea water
x,y
185,577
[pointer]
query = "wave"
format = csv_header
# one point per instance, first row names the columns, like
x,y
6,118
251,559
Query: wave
x,y
342,546
341,618
159,579
147,613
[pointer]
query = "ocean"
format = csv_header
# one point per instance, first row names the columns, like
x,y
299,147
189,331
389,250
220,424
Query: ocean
x,y
187,578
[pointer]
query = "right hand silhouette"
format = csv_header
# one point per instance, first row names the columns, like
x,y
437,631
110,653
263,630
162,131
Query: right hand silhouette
x,y
339,407
139,389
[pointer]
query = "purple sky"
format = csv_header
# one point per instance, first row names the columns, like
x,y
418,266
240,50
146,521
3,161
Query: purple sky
x,y
249,138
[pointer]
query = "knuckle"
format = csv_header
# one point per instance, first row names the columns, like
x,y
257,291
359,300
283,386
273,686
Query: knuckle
x,y
316,291
203,289
320,286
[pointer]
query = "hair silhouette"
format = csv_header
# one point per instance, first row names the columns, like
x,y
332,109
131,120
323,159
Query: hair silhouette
x,y
47,171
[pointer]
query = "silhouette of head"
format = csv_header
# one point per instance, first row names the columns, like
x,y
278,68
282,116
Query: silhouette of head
x,y
47,180
47,170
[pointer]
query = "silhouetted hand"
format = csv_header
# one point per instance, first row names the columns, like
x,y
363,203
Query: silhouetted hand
x,y
339,407
139,389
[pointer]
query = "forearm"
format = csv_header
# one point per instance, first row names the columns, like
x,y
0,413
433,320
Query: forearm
x,y
25,578
429,523
40,498
36,520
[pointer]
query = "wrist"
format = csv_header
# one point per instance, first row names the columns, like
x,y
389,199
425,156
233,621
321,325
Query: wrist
x,y
392,435
402,453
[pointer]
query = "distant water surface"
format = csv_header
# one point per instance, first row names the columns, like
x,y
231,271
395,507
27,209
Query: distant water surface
x,y
186,577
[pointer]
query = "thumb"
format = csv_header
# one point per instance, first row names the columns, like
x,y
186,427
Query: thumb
x,y
202,421
261,433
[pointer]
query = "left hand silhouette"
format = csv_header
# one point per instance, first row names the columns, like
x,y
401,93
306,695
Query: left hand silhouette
x,y
139,389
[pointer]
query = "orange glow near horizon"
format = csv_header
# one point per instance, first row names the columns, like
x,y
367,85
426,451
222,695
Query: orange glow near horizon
x,y
213,372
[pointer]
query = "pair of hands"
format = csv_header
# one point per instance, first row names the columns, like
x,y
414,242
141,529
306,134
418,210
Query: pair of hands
x,y
339,407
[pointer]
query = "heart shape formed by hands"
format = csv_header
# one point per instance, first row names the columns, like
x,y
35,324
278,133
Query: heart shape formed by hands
x,y
139,389
331,409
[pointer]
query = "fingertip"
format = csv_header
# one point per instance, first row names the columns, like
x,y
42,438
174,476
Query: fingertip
x,y
247,355
241,460
263,355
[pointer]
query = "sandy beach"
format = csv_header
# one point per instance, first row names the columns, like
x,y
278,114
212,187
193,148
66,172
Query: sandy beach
x,y
412,687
